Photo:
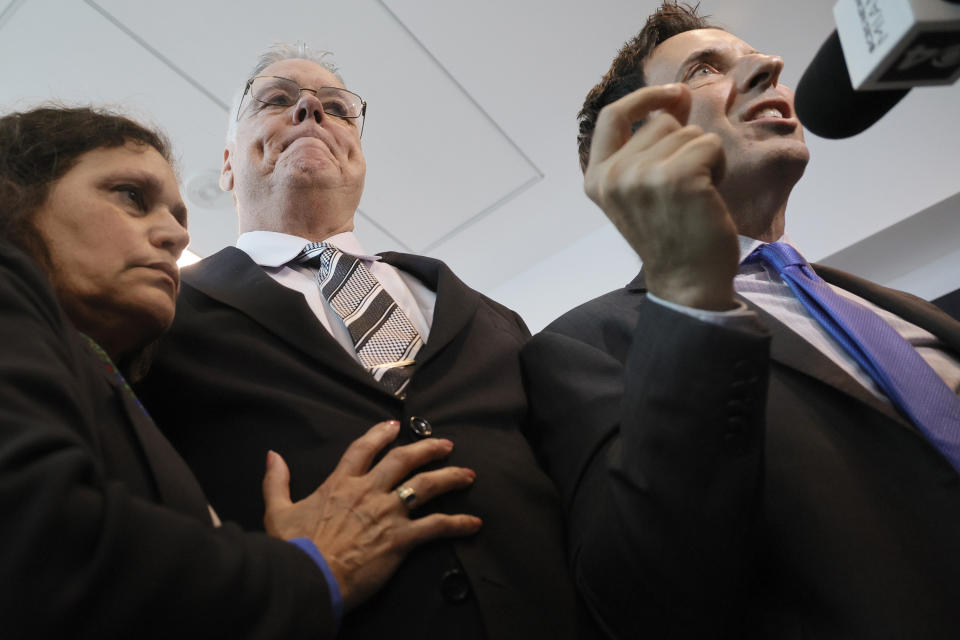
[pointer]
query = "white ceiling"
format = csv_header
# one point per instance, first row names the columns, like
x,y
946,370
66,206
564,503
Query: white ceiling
x,y
470,134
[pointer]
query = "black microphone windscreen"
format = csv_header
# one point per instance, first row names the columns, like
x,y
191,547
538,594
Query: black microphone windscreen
x,y
826,102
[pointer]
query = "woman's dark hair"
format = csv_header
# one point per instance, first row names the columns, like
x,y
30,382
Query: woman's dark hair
x,y
39,146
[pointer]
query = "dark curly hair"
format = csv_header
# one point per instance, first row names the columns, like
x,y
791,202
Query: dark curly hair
x,y
626,72
39,146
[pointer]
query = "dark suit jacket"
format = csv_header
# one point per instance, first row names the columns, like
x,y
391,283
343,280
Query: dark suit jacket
x,y
728,483
105,532
252,369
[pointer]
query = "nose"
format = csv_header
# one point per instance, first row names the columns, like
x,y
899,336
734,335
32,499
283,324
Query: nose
x,y
308,106
170,235
759,71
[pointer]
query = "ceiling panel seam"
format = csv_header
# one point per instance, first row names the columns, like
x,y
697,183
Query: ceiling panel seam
x,y
10,9
159,56
483,214
463,89
516,147
384,231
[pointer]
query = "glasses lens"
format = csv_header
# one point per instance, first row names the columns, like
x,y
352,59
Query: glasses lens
x,y
339,102
285,92
270,90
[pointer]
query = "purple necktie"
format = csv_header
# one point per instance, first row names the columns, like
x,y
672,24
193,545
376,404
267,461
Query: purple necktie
x,y
908,381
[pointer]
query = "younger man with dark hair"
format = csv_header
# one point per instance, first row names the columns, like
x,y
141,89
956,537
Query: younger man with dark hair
x,y
730,466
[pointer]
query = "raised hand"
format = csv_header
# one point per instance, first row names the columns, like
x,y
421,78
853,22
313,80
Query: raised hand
x,y
357,519
658,187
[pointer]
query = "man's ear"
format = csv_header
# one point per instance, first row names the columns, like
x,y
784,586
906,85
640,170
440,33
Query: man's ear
x,y
226,172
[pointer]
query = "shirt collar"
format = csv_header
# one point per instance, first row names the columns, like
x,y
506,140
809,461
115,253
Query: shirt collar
x,y
748,245
273,249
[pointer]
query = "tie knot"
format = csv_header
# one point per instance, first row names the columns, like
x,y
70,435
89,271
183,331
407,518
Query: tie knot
x,y
779,255
320,255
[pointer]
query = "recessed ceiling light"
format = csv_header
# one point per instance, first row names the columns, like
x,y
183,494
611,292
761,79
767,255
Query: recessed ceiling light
x,y
203,190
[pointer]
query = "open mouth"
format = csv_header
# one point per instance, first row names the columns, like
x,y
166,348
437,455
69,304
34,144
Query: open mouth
x,y
769,110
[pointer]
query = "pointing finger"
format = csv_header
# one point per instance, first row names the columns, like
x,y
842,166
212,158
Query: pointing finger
x,y
439,525
615,122
429,484
401,461
702,152
358,457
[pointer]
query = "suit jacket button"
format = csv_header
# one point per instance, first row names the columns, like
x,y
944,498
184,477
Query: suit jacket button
x,y
421,426
735,440
742,369
454,586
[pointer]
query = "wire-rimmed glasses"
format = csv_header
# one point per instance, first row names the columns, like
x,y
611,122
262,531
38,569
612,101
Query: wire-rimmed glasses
x,y
284,92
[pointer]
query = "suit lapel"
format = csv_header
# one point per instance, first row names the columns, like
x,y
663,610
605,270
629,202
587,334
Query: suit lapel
x,y
456,302
176,485
909,307
232,278
789,349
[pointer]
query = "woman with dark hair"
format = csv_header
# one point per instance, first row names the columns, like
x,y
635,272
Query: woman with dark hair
x,y
104,530
37,150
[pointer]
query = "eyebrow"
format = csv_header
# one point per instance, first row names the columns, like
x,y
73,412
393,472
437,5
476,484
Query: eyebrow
x,y
300,84
707,55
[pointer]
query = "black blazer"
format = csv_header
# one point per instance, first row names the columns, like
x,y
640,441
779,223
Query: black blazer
x,y
252,369
726,483
104,531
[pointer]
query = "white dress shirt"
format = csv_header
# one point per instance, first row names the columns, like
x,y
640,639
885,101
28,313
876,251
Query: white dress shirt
x,y
273,251
763,286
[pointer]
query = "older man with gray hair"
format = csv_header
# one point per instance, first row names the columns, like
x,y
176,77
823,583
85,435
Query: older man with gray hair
x,y
296,341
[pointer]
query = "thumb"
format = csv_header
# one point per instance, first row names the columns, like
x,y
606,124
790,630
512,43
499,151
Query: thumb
x,y
276,482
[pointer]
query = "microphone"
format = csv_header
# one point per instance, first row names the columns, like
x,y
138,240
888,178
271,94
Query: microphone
x,y
880,49
827,103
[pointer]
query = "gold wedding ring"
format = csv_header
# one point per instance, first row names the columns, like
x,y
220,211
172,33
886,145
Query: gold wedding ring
x,y
406,495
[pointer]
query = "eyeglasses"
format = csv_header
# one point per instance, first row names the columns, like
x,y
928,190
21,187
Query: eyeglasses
x,y
284,92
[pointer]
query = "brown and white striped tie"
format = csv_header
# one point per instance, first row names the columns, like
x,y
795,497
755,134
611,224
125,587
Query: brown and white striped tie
x,y
385,340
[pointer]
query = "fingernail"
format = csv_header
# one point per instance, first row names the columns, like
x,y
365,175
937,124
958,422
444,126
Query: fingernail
x,y
392,425
270,458
470,473
447,443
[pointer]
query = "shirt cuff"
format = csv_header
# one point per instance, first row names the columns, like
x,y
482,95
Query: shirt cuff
x,y
336,599
741,317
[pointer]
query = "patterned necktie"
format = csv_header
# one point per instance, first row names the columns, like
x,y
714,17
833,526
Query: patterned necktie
x,y
902,374
383,337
